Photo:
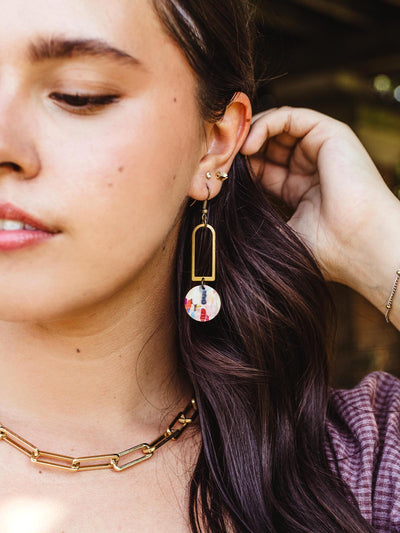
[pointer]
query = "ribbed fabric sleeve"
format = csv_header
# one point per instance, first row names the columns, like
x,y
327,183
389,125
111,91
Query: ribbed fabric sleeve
x,y
363,446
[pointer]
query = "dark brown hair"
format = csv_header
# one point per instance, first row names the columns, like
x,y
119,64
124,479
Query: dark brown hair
x,y
259,370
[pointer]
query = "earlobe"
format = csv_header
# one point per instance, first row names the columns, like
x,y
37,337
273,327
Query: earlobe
x,y
224,140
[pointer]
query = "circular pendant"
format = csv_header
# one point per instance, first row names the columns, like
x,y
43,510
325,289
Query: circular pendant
x,y
202,303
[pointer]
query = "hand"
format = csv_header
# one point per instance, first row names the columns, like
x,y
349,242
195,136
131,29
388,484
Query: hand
x,y
319,167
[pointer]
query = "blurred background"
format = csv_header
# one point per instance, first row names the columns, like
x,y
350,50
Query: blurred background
x,y
342,57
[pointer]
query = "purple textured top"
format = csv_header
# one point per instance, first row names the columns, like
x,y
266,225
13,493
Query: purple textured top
x,y
363,447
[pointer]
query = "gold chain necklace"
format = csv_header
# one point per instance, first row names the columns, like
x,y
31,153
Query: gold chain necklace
x,y
96,462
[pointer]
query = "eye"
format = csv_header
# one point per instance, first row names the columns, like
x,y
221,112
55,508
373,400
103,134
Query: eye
x,y
84,103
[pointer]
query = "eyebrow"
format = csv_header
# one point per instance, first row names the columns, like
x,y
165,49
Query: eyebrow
x,y
58,48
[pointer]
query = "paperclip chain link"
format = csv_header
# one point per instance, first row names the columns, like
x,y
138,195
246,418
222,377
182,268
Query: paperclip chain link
x,y
143,451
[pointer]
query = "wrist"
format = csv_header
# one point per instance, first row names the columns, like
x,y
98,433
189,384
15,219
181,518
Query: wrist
x,y
370,261
389,304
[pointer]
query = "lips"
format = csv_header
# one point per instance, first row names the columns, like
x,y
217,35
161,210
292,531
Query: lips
x,y
33,232
11,212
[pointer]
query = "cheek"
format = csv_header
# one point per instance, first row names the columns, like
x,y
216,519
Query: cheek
x,y
136,178
119,193
147,148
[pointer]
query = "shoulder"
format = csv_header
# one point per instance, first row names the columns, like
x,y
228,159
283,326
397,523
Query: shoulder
x,y
377,390
366,416
363,445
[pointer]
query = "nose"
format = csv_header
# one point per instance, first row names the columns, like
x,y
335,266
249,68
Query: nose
x,y
18,152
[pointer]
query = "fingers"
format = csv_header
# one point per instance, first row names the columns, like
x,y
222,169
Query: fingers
x,y
271,177
286,124
290,187
279,149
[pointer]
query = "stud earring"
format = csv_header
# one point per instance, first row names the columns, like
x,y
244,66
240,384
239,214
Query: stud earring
x,y
203,303
222,176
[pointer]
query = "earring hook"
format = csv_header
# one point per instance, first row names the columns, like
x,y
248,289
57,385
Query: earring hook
x,y
204,211
208,197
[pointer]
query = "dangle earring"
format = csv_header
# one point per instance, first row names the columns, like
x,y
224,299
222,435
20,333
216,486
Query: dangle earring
x,y
202,303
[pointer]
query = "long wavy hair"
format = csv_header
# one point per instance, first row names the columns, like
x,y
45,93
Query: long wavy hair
x,y
260,369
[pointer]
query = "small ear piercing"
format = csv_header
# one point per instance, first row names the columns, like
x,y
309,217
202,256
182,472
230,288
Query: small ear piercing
x,y
221,176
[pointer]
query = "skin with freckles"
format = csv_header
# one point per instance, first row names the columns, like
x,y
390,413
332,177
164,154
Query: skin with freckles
x,y
89,93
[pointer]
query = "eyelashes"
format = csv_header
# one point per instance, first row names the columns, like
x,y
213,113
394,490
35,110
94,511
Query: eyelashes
x,y
84,103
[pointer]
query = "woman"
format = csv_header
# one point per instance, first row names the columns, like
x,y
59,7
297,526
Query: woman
x,y
116,117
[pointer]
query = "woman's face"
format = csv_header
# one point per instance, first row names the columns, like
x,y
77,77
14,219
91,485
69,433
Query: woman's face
x,y
100,137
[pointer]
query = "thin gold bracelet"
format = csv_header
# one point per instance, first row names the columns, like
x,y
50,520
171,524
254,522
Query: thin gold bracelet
x,y
390,301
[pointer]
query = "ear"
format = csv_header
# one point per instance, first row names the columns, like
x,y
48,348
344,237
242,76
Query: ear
x,y
223,141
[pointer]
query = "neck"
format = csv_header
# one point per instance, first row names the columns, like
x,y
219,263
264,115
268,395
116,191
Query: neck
x,y
105,377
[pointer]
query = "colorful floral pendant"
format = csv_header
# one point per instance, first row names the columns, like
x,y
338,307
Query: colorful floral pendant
x,y
202,303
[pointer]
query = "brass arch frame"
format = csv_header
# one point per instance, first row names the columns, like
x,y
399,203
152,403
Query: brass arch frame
x,y
203,278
